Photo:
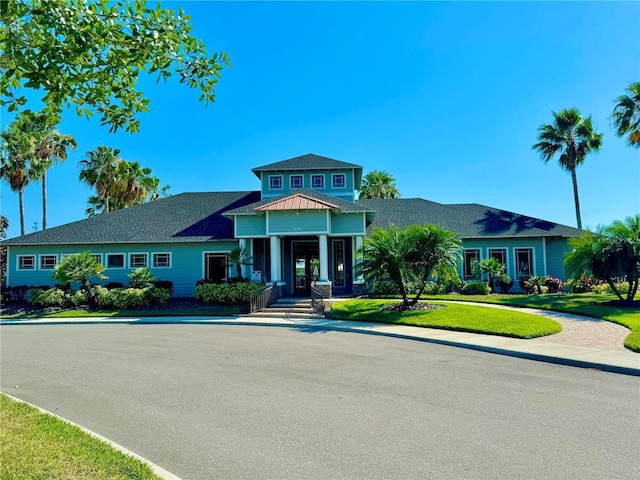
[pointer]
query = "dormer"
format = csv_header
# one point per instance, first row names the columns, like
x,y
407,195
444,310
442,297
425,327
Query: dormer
x,y
323,174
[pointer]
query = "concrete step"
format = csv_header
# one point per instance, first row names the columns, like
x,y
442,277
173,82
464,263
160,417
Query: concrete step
x,y
282,309
268,314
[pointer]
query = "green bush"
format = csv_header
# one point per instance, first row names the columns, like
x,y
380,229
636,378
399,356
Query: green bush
x,y
225,293
141,278
132,298
504,283
475,288
384,287
606,288
554,285
583,284
53,297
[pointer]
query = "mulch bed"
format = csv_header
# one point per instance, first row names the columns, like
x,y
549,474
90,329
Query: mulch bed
x,y
401,307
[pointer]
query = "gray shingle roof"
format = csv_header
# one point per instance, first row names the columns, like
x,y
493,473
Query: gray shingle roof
x,y
309,161
187,217
467,220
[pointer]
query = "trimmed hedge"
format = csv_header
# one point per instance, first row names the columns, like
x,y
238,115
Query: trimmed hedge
x,y
116,298
225,293
474,288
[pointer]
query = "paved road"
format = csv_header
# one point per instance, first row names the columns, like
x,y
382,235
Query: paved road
x,y
257,402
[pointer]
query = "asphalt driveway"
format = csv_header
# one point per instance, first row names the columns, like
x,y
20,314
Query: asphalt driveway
x,y
213,401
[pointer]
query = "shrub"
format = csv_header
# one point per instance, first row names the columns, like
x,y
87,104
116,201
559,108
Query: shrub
x,y
141,278
166,284
112,285
156,295
18,292
53,297
554,285
384,287
76,298
533,284
131,298
474,288
225,293
583,284
606,288
205,281
504,283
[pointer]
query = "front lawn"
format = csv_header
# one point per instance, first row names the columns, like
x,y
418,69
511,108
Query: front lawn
x,y
465,318
37,445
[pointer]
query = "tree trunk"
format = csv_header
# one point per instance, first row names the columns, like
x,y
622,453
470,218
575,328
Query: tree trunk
x,y
575,196
21,201
44,200
615,290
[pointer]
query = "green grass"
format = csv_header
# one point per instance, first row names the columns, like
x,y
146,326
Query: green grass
x,y
210,311
37,445
589,305
466,318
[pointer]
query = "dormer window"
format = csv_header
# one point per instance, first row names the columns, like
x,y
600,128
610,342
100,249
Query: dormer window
x,y
296,181
275,182
339,180
317,181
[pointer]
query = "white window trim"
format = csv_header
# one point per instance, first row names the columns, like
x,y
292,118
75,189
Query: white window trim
x,y
515,261
281,182
464,258
124,261
35,260
161,266
291,181
40,267
333,185
324,183
506,257
146,255
220,254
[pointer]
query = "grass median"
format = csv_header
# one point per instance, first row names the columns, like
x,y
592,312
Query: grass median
x,y
466,318
38,445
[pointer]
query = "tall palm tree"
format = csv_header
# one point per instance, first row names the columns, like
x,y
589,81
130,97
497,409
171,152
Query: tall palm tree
x,y
573,137
50,148
379,184
135,183
16,165
626,115
100,170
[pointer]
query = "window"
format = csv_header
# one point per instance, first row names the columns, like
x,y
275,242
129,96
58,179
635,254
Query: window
x,y
161,259
275,182
98,257
215,267
296,181
26,262
338,180
317,181
115,260
524,263
499,254
470,257
137,260
48,262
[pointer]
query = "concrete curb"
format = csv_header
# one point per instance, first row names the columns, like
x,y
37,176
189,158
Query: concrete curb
x,y
161,472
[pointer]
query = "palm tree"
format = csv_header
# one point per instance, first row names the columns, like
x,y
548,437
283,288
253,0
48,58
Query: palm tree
x,y
135,183
626,115
50,148
16,166
574,138
379,184
100,170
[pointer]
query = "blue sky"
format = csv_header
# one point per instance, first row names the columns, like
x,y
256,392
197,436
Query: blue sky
x,y
447,97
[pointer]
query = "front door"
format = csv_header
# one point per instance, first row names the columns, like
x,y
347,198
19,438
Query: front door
x,y
306,266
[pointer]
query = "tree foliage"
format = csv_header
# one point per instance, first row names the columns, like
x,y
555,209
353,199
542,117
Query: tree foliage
x,y
79,268
239,257
626,115
611,253
490,266
379,184
413,255
572,138
89,55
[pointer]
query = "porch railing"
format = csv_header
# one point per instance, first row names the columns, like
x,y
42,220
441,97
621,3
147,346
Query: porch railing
x,y
263,297
317,300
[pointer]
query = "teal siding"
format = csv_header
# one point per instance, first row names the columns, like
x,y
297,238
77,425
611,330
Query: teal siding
x,y
556,250
250,225
349,223
346,193
288,223
187,263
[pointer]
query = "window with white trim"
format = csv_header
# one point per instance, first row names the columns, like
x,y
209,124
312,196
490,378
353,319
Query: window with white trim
x,y
471,256
26,262
48,262
339,180
115,260
275,182
499,254
161,260
295,181
98,257
317,181
137,260
524,262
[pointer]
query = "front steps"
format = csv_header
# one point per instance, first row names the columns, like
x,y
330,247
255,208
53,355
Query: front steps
x,y
288,308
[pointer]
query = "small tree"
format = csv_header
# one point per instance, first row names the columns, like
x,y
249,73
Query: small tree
x,y
490,266
141,278
238,257
79,268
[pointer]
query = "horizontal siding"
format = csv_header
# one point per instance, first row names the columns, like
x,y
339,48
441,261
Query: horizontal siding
x,y
251,225
352,223
556,250
346,193
288,223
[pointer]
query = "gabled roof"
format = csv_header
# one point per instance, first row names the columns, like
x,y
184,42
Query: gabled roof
x,y
187,217
336,203
309,161
467,220
297,201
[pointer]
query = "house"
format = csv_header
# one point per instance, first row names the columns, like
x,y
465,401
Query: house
x,y
304,224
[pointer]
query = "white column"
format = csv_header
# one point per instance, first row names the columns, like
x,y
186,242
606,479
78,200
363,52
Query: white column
x,y
357,245
249,251
242,243
324,259
275,258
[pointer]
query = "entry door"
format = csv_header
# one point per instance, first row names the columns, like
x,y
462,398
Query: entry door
x,y
306,266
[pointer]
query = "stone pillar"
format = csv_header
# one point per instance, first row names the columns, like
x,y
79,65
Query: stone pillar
x,y
275,259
